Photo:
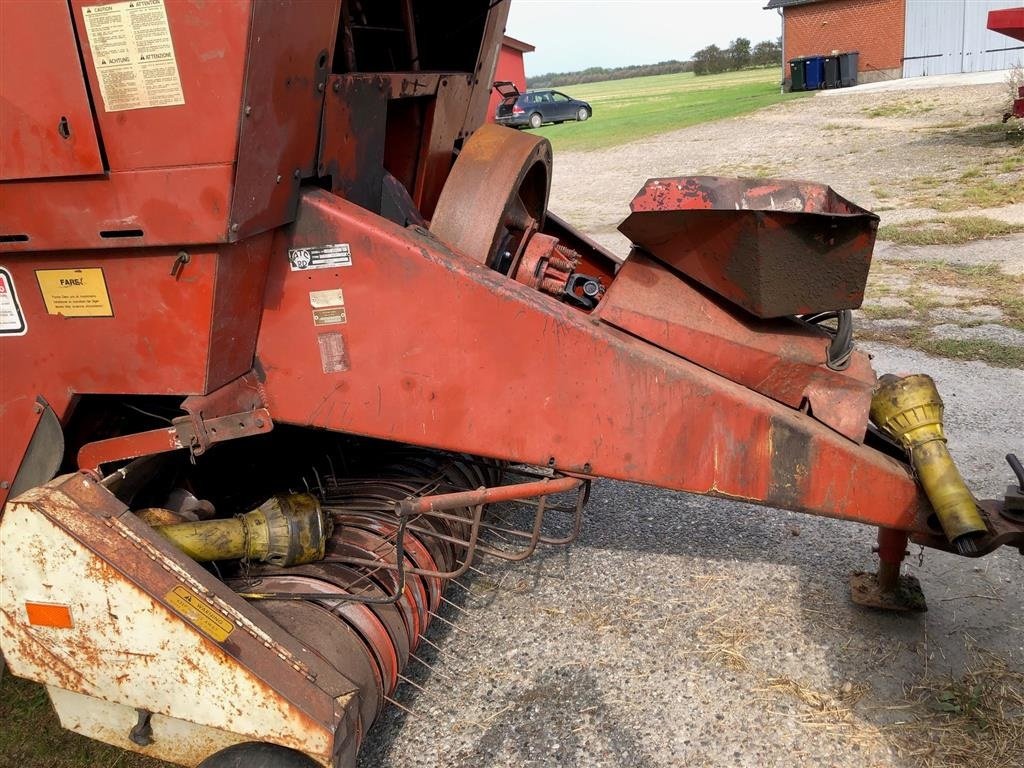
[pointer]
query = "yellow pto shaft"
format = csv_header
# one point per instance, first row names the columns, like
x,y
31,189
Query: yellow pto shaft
x,y
909,410
284,530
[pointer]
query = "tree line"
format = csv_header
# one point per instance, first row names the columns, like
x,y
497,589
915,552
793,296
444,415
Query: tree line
x,y
600,74
739,55
706,61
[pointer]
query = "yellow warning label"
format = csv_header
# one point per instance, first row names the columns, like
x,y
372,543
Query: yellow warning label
x,y
133,54
75,292
204,616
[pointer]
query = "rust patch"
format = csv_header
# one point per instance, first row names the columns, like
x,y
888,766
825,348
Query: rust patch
x,y
790,466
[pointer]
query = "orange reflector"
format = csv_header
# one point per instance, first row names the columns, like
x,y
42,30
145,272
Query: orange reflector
x,y
49,615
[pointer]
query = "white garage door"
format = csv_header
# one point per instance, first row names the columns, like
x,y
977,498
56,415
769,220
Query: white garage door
x,y
949,36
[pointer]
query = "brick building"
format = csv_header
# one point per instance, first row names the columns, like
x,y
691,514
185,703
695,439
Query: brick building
x,y
899,38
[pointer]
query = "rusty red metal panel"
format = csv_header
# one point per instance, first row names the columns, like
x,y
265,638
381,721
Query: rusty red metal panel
x,y
773,247
1009,22
446,116
165,206
523,377
209,43
486,65
782,358
352,137
173,177
183,333
235,316
290,50
45,117
21,414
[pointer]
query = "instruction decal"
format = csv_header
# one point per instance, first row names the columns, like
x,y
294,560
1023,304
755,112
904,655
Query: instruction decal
x,y
133,55
75,292
320,257
328,307
200,613
12,319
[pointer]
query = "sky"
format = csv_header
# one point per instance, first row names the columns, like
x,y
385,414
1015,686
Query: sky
x,y
576,34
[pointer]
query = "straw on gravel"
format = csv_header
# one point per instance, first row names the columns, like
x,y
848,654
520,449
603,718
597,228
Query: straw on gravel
x,y
974,721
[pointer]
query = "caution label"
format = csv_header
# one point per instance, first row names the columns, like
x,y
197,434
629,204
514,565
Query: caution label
x,y
133,55
12,319
75,292
199,612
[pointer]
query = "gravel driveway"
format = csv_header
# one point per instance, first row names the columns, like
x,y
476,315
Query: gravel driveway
x,y
684,631
869,147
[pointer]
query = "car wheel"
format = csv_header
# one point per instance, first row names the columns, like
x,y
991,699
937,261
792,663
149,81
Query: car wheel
x,y
535,120
583,114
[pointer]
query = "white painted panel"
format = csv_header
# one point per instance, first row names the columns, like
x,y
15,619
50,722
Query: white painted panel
x,y
985,50
933,43
125,647
950,36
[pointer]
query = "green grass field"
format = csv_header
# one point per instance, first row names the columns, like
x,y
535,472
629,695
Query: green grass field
x,y
626,110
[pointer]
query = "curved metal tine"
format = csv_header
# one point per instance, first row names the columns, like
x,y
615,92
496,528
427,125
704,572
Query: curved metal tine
x,y
577,523
434,670
437,649
421,689
461,586
582,496
464,611
478,572
451,624
405,709
377,565
538,522
471,548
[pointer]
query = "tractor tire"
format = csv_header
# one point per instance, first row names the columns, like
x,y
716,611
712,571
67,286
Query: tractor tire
x,y
257,755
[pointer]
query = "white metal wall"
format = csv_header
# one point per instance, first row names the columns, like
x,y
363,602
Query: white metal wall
x,y
950,36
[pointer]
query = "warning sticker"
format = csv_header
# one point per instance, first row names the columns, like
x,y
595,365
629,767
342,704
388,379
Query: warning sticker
x,y
333,355
198,611
320,257
12,319
75,292
133,55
